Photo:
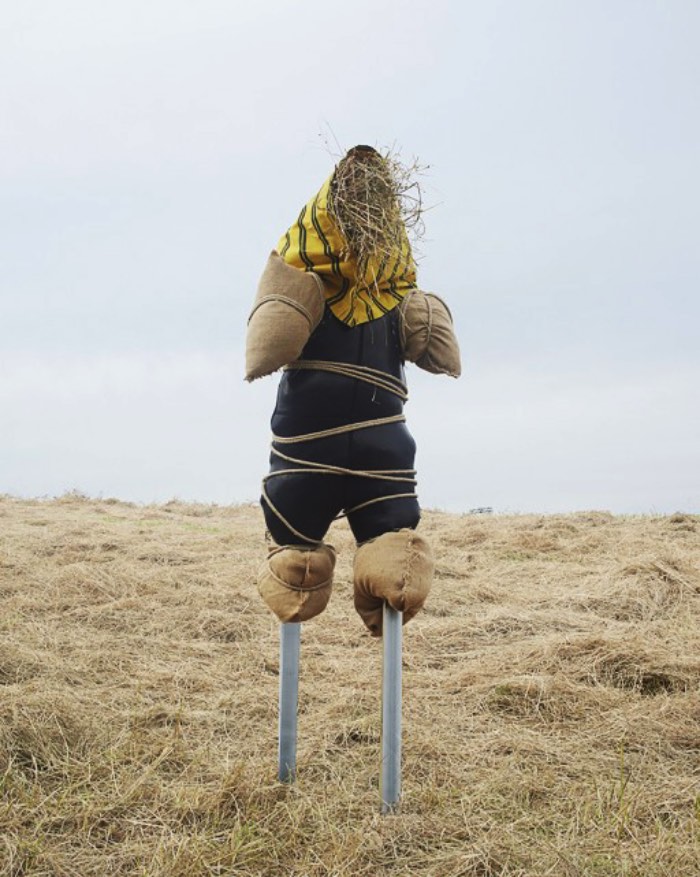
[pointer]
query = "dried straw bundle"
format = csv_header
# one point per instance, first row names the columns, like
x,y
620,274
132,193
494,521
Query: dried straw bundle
x,y
376,201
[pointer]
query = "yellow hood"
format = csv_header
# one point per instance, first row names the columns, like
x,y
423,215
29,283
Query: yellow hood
x,y
315,243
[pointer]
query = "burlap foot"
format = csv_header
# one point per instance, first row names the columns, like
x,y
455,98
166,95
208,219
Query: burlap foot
x,y
396,567
296,582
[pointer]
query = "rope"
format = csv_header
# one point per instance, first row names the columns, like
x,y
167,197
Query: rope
x,y
276,511
292,302
363,505
373,376
289,301
379,474
377,378
337,430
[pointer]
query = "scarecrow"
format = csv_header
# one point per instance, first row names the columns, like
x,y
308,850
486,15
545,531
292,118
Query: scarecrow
x,y
338,308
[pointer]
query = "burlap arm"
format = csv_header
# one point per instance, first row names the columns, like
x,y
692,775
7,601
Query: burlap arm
x,y
427,334
287,308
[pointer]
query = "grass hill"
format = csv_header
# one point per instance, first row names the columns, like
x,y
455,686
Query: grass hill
x,y
551,701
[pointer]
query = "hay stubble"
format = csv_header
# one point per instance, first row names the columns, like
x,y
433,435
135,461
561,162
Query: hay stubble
x,y
552,701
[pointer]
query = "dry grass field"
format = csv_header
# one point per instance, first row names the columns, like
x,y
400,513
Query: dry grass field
x,y
551,701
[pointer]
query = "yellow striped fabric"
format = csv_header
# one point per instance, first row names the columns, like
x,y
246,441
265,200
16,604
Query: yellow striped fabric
x,y
314,243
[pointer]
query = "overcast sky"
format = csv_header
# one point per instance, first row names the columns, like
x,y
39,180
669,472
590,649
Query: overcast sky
x,y
151,154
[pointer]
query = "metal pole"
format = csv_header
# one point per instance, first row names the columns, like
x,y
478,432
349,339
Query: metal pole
x,y
390,784
290,638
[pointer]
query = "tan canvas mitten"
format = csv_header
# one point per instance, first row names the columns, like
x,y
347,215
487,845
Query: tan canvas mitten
x,y
288,307
427,334
296,582
396,567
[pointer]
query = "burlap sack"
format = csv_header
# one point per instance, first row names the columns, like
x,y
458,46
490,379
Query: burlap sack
x,y
296,583
396,567
427,334
287,308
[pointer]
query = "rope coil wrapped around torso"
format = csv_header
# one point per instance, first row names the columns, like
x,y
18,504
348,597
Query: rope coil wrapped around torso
x,y
374,377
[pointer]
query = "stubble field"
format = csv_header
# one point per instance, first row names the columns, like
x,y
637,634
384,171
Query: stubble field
x,y
551,701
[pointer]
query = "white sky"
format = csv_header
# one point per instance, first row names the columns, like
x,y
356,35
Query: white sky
x,y
152,153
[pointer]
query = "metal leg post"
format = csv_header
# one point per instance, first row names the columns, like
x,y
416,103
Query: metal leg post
x,y
390,785
290,638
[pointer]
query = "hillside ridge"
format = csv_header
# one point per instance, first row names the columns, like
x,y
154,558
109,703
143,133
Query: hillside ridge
x,y
551,700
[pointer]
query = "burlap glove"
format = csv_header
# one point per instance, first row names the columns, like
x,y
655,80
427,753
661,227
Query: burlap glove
x,y
427,334
288,307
